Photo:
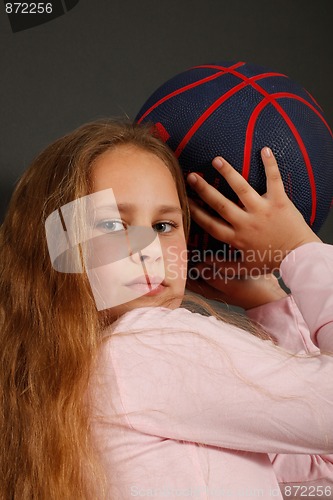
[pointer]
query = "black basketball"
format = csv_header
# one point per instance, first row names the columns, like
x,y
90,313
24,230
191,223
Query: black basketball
x,y
234,109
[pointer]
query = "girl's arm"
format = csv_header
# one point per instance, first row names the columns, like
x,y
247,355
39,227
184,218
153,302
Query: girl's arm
x,y
276,316
297,474
182,376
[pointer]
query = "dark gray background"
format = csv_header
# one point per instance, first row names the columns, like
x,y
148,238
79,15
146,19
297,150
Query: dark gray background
x,y
105,57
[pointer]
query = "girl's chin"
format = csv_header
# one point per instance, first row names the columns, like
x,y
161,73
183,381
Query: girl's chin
x,y
151,299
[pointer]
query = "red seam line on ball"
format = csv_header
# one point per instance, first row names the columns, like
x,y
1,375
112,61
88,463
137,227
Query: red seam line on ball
x,y
271,99
297,98
226,69
314,100
247,152
265,93
315,110
222,71
240,75
197,124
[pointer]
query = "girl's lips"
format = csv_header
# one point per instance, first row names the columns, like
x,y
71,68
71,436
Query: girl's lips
x,y
152,287
149,281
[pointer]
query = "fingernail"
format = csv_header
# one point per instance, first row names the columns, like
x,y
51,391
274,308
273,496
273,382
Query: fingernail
x,y
192,179
267,152
218,162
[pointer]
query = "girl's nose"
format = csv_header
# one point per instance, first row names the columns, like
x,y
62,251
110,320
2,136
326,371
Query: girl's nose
x,y
150,253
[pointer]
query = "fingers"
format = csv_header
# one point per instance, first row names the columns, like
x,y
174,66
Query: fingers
x,y
226,208
214,226
274,183
247,195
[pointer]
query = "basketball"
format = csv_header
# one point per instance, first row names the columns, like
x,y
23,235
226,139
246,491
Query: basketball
x,y
234,109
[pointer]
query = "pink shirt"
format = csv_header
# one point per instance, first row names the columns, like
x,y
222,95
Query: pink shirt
x,y
190,407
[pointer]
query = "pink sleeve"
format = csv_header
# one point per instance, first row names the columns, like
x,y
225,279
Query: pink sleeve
x,y
297,320
182,376
308,272
308,471
284,321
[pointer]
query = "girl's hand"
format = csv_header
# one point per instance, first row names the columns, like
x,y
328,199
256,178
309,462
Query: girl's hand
x,y
265,229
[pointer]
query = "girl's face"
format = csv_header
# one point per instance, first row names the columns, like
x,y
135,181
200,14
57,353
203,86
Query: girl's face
x,y
150,271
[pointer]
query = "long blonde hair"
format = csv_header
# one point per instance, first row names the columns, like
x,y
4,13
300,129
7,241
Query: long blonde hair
x,y
49,325
50,330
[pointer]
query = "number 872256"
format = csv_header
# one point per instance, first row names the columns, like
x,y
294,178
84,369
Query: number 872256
x,y
28,8
298,492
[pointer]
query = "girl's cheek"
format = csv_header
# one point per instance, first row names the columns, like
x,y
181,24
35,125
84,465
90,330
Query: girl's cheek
x,y
174,250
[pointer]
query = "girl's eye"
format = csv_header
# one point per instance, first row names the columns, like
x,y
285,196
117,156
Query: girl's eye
x,y
164,227
111,226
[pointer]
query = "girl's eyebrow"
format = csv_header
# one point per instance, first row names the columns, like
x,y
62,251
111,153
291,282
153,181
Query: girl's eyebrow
x,y
162,209
129,207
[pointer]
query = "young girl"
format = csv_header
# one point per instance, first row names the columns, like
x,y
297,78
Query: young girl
x,y
110,389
